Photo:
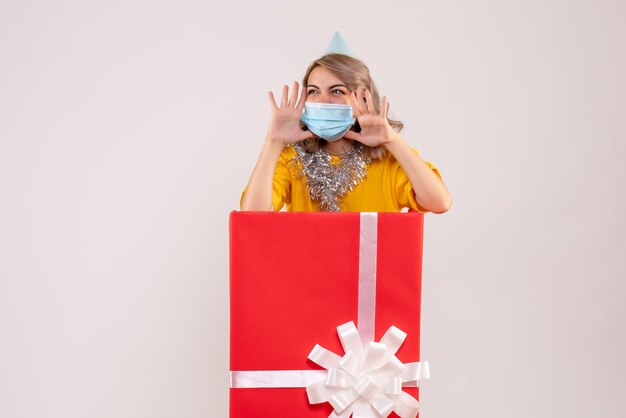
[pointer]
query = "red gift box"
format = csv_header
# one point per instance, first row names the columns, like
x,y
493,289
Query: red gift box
x,y
295,277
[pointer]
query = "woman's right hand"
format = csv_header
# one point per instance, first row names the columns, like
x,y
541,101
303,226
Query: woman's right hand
x,y
284,126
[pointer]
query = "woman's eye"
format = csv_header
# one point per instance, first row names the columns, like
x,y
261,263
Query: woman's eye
x,y
340,91
310,91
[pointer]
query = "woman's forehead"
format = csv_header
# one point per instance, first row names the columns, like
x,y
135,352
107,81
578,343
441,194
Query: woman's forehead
x,y
321,76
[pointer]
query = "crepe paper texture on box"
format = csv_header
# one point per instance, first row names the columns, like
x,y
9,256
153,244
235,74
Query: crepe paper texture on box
x,y
299,282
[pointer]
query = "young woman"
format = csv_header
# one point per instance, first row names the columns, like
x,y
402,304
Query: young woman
x,y
343,153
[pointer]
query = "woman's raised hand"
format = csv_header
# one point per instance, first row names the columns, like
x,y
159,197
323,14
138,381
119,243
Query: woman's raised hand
x,y
284,126
375,128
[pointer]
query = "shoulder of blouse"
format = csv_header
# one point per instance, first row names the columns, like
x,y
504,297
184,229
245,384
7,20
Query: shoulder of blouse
x,y
288,153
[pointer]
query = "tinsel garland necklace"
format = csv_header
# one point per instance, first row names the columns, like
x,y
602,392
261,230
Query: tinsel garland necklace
x,y
328,182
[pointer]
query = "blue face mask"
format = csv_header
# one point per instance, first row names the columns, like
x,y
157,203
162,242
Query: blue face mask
x,y
328,120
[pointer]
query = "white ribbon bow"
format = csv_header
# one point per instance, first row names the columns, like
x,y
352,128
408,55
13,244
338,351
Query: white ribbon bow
x,y
367,381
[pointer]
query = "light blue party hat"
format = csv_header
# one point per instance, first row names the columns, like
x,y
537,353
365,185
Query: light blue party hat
x,y
338,45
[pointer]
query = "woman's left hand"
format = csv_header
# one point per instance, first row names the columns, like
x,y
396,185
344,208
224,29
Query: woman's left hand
x,y
375,128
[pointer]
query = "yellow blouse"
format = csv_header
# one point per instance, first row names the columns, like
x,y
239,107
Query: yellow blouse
x,y
385,189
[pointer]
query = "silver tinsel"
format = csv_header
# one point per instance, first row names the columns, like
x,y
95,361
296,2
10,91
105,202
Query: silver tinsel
x,y
329,182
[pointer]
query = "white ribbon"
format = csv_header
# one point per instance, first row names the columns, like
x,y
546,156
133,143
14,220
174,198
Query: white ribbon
x,y
275,378
368,248
367,381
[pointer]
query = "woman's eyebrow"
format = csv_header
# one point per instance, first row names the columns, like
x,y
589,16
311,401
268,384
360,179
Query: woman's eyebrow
x,y
331,87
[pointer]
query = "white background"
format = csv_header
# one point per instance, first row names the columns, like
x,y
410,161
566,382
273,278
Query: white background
x,y
129,128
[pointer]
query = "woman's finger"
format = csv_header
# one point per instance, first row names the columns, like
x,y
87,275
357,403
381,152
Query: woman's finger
x,y
294,94
283,99
352,135
355,105
369,102
270,97
306,135
303,95
384,107
360,100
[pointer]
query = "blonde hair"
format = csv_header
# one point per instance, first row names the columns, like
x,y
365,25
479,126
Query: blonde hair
x,y
353,73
